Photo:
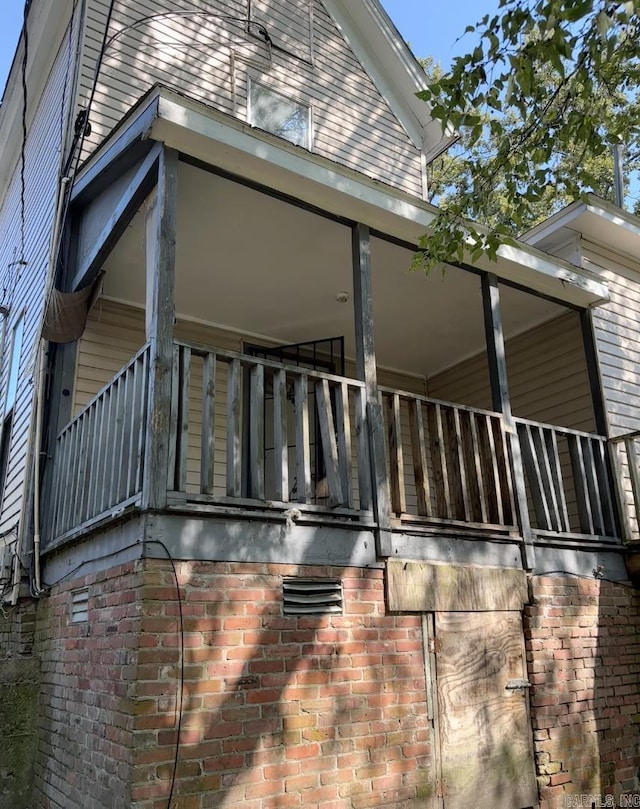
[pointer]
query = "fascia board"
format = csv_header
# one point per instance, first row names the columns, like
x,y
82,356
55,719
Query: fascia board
x,y
385,56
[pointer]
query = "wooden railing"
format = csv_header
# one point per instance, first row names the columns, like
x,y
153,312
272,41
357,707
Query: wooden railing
x,y
248,430
625,460
99,456
447,462
568,480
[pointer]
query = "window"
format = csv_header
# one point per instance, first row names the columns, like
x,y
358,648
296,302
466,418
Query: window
x,y
9,402
14,366
279,115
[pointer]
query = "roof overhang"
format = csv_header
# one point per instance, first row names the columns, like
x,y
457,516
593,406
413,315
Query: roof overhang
x,y
231,145
597,221
389,61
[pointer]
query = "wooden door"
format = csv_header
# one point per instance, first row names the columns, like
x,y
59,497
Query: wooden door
x,y
486,758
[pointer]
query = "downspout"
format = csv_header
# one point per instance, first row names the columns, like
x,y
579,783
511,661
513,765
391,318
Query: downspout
x,y
42,351
34,441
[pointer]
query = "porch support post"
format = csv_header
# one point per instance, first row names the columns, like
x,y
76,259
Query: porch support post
x,y
500,398
160,251
366,372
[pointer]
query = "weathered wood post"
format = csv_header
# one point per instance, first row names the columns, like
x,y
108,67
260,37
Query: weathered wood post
x,y
500,397
160,309
366,372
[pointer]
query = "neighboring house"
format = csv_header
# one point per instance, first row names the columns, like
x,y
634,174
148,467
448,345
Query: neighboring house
x,y
286,524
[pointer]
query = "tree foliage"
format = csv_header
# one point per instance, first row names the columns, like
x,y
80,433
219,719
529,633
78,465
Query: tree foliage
x,y
538,102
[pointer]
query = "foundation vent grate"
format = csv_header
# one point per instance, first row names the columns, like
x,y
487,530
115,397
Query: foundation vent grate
x,y
312,596
80,606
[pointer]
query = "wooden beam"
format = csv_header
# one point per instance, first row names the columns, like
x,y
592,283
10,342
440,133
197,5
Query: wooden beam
x,y
366,372
117,220
500,397
161,251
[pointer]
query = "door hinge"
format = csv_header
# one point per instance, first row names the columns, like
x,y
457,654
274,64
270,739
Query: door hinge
x,y
434,645
441,789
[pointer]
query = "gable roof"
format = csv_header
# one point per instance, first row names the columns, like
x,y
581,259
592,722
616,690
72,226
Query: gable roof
x,y
387,58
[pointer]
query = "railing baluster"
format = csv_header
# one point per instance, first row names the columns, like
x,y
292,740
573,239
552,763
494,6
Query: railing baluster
x,y
563,513
591,477
280,436
182,449
364,468
439,461
547,477
604,486
174,414
419,455
303,460
477,461
396,460
492,461
459,450
234,429
329,446
134,427
343,429
144,397
256,431
579,478
208,433
534,477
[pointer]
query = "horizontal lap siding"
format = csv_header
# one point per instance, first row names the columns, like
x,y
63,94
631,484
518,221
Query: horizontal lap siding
x,y
211,61
547,376
617,333
24,285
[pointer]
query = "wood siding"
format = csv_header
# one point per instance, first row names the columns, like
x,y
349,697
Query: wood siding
x,y
23,285
547,374
211,59
617,334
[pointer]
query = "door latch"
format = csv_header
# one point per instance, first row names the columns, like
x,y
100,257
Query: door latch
x,y
518,685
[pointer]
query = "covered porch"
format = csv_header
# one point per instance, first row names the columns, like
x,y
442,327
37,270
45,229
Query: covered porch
x,y
268,356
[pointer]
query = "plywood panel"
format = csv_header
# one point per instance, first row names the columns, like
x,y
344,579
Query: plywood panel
x,y
425,587
485,737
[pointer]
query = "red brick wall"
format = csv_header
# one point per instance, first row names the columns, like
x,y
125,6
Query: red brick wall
x,y
583,649
285,711
280,711
88,684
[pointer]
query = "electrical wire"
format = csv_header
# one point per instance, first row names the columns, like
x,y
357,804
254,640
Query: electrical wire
x,y
180,706
180,633
593,577
25,101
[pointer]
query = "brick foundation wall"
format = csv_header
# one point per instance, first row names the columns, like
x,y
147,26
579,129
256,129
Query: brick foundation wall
x,y
290,711
315,711
87,693
583,650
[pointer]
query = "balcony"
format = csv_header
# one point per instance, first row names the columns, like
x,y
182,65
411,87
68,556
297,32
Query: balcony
x,y
257,439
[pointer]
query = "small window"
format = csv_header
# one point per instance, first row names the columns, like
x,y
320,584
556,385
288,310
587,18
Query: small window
x,y
279,115
14,366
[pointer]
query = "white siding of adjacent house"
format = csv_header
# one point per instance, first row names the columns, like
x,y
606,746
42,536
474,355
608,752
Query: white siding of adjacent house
x,y
211,61
24,285
617,334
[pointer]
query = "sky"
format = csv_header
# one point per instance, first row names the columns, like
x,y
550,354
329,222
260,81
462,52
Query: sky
x,y
431,27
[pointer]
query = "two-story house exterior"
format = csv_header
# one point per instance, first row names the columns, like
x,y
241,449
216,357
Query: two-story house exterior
x,y
285,524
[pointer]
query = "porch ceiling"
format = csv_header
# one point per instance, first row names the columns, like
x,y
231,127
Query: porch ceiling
x,y
259,265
